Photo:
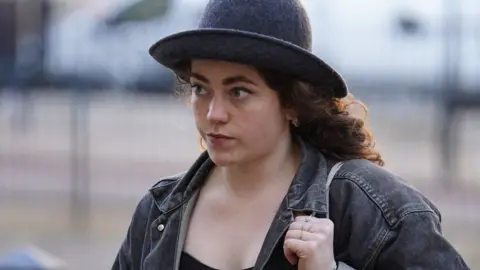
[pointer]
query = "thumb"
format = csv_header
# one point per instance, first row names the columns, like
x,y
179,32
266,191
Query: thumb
x,y
289,249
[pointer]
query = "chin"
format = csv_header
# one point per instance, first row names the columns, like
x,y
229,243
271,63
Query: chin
x,y
222,159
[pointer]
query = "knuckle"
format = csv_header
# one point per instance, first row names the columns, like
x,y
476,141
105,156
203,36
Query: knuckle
x,y
329,226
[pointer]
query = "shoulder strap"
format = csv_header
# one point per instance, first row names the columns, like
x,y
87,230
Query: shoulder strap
x,y
330,177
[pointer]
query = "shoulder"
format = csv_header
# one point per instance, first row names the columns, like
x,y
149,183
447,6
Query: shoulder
x,y
384,221
165,185
377,190
370,206
146,211
148,205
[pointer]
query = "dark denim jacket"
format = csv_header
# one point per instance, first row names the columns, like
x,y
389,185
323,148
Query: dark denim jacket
x,y
380,221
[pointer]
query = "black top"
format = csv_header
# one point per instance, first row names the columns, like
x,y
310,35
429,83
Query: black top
x,y
188,262
366,201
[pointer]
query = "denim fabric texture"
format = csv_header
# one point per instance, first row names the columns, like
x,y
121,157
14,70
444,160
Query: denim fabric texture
x,y
381,222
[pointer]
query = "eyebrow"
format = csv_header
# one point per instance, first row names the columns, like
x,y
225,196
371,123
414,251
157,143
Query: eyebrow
x,y
226,81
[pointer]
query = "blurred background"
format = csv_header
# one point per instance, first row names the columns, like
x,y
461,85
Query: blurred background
x,y
88,121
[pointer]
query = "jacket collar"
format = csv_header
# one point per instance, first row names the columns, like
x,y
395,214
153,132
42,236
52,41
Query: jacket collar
x,y
307,192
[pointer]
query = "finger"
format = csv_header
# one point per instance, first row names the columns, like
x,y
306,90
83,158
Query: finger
x,y
298,225
303,235
322,225
305,218
324,222
301,249
312,219
290,255
294,234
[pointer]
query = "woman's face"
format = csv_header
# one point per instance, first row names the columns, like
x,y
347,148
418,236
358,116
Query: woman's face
x,y
236,113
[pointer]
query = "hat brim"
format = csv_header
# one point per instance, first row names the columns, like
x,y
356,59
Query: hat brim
x,y
247,48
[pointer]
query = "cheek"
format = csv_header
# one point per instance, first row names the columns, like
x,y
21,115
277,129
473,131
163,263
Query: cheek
x,y
264,121
197,109
263,127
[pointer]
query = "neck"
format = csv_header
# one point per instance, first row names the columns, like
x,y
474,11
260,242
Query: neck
x,y
266,173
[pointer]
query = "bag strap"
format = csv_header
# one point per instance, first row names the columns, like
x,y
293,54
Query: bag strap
x,y
330,177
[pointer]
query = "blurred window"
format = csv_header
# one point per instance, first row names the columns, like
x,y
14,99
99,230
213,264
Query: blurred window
x,y
142,10
409,26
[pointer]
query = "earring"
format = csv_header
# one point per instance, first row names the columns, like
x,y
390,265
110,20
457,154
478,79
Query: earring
x,y
295,122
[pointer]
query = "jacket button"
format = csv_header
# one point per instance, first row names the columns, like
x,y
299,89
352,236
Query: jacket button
x,y
160,227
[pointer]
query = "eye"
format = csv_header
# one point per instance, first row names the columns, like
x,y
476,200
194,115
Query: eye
x,y
198,89
239,92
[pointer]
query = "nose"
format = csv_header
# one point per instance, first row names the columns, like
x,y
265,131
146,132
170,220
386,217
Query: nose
x,y
217,111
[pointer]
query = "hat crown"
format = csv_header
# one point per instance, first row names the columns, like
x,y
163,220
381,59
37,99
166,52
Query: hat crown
x,y
282,19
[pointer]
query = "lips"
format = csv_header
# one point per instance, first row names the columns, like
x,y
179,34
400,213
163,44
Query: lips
x,y
219,136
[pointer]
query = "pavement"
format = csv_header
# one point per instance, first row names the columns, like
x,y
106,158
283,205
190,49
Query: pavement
x,y
133,141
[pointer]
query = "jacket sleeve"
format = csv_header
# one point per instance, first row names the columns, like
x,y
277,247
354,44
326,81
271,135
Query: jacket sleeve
x,y
417,243
130,254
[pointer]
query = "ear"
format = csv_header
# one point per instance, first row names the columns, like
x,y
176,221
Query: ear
x,y
290,115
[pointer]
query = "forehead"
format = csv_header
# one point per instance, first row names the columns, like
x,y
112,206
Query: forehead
x,y
214,69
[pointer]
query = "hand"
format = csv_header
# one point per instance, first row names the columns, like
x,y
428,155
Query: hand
x,y
309,242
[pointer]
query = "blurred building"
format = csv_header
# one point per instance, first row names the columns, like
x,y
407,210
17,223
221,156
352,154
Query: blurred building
x,y
394,45
23,38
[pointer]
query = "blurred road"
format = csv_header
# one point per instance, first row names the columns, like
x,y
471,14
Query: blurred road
x,y
135,140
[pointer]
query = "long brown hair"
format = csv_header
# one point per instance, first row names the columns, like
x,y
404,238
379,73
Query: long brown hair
x,y
323,120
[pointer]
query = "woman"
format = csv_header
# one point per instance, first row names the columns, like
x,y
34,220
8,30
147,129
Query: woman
x,y
274,122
